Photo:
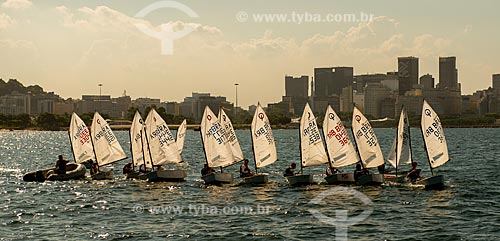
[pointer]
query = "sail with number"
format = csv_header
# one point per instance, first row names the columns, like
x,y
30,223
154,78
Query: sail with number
x,y
139,147
106,147
217,149
312,149
366,140
231,136
80,140
338,143
434,138
161,141
401,145
181,134
264,147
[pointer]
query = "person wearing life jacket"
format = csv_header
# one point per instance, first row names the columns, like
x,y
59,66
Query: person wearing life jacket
x,y
61,165
245,170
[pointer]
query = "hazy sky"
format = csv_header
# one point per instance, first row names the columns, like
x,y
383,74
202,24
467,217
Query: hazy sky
x,y
69,47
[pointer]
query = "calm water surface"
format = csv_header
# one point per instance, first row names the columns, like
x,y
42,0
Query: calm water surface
x,y
467,209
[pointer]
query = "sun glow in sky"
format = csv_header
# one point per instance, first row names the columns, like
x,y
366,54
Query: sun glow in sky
x,y
69,47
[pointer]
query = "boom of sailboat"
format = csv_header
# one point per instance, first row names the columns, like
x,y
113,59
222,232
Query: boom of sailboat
x,y
156,154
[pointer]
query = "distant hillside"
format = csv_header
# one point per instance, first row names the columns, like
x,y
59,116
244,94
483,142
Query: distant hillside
x,y
14,85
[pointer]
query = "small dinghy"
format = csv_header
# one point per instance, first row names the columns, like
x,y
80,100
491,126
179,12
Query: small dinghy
x,y
435,145
218,178
73,172
216,147
312,150
340,149
167,176
368,147
263,146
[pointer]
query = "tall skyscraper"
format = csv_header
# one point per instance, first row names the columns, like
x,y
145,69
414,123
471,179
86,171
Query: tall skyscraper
x,y
297,87
496,81
427,81
331,81
407,73
448,73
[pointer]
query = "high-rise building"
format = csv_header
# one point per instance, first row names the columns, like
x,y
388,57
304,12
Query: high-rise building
x,y
427,81
448,73
297,87
407,73
496,81
331,81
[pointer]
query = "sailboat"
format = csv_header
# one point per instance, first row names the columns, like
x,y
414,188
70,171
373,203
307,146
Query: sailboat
x,y
401,149
435,145
216,148
138,147
162,149
107,149
340,149
230,137
368,148
263,146
312,151
181,135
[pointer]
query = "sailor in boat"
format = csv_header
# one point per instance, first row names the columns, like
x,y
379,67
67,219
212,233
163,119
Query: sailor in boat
x,y
61,165
360,172
245,170
331,170
94,169
206,170
290,171
413,174
128,168
381,169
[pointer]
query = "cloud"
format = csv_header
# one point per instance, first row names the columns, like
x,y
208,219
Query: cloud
x,y
17,4
5,21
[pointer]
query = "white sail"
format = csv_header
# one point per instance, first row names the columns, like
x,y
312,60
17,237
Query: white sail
x,y
338,143
264,146
161,141
437,149
217,149
312,148
181,134
403,142
80,140
106,146
139,148
368,146
231,136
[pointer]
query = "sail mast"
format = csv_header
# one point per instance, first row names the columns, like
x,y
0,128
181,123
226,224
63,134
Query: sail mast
x,y
71,143
149,150
132,151
93,149
355,141
253,150
409,136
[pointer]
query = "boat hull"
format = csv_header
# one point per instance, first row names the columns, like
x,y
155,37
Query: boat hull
x,y
167,176
73,172
218,178
434,182
340,178
299,180
103,175
257,179
371,180
393,178
137,175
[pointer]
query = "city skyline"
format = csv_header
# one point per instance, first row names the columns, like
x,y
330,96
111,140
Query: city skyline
x,y
71,47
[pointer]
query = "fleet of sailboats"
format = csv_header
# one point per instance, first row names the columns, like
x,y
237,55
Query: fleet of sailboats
x,y
368,148
152,146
